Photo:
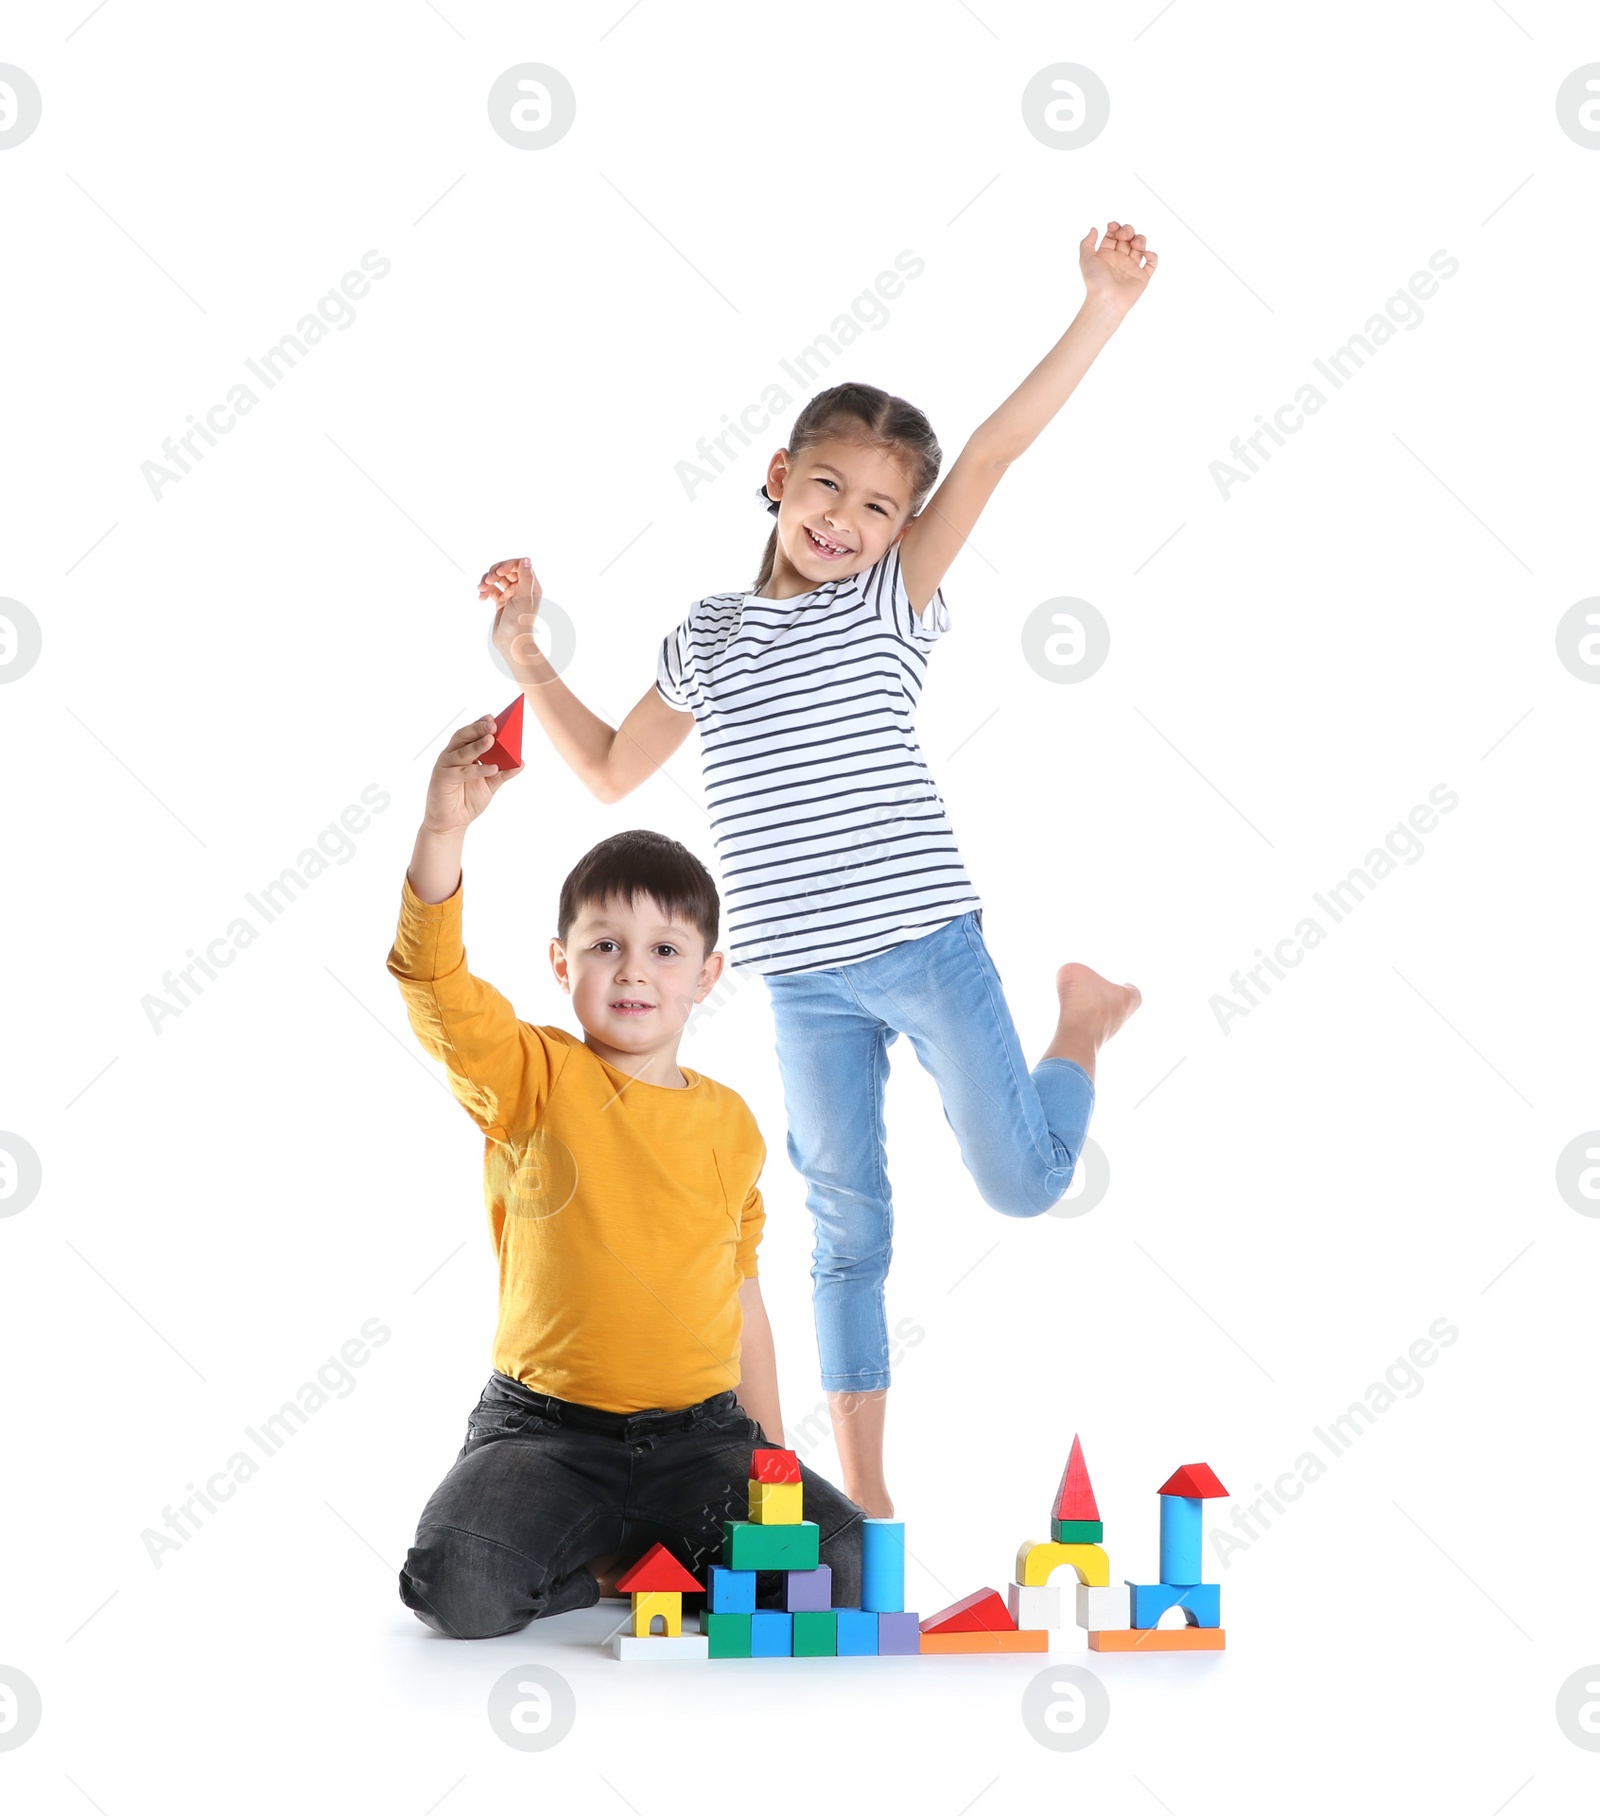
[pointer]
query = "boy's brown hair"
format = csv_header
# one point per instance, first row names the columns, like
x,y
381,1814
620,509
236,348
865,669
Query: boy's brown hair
x,y
640,862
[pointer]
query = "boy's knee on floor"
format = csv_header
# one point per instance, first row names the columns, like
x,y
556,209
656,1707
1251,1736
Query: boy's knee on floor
x,y
456,1583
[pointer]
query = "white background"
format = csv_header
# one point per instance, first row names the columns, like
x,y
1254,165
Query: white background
x,y
1291,1203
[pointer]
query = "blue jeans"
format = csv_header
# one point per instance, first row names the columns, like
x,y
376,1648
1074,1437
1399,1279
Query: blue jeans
x,y
1020,1132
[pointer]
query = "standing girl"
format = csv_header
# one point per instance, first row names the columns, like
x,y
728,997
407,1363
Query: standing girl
x,y
842,881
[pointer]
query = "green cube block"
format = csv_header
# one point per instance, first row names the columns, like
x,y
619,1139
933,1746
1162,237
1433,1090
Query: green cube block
x,y
816,1633
729,1634
1077,1532
749,1546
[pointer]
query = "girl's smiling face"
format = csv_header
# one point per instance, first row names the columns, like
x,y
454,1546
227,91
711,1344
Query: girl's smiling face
x,y
840,504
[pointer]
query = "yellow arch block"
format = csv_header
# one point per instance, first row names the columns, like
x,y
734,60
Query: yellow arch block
x,y
1036,1562
665,1605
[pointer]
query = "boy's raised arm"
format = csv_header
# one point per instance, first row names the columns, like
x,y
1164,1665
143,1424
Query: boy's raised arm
x,y
609,761
1114,280
499,1067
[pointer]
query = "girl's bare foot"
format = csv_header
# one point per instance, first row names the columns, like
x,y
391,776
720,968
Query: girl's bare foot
x,y
1092,1010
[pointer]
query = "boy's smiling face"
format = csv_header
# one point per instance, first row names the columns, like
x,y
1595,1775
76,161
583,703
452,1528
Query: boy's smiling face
x,y
634,972
841,504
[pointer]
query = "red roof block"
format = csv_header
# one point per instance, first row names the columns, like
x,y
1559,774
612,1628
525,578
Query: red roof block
x,y
506,751
981,1612
774,1466
657,1571
1194,1481
1075,1496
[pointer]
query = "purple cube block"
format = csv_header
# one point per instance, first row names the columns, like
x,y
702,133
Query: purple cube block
x,y
898,1633
805,1590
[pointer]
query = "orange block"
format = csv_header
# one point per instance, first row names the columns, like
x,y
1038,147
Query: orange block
x,y
1158,1639
1031,1639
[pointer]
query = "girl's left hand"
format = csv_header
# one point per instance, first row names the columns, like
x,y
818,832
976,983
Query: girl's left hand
x,y
1116,271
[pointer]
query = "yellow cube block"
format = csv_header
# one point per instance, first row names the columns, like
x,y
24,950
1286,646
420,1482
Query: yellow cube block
x,y
657,1604
776,1503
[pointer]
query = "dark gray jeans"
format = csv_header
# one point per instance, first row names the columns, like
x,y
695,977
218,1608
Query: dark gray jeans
x,y
542,1485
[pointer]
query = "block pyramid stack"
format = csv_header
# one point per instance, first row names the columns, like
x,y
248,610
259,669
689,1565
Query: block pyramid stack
x,y
778,1537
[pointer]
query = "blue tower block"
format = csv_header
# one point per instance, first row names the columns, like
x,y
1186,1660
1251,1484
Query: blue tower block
x,y
1180,1539
1201,1602
883,1566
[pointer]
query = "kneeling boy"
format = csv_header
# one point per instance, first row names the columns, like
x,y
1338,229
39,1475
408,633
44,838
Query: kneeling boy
x,y
633,1365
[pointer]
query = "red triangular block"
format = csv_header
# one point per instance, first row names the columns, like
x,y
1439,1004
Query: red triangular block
x,y
1194,1481
658,1570
774,1466
1075,1496
506,751
981,1612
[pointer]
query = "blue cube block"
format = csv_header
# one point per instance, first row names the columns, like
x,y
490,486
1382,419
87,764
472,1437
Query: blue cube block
x,y
858,1633
731,1591
808,1590
883,1565
771,1634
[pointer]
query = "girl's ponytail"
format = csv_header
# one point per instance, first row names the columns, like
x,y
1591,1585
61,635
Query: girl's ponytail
x,y
767,561
864,413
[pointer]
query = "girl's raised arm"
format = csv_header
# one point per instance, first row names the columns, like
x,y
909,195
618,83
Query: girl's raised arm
x,y
1115,274
609,761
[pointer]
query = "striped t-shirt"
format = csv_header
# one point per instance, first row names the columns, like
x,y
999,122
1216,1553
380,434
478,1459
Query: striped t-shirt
x,y
831,834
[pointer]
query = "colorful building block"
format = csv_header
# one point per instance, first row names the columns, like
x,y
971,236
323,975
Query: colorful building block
x,y
657,1570
816,1633
1109,1605
883,1565
1075,1497
1077,1532
728,1634
1159,1639
808,1589
774,1466
857,1632
682,1645
898,1633
1201,1603
748,1546
1181,1495
659,1605
506,751
1036,1562
981,1612
1034,1607
1194,1480
731,1591
1180,1539
771,1634
1034,1639
776,1503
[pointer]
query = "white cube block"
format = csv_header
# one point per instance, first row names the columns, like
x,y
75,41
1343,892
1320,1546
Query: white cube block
x,y
659,1646
1111,1606
1039,1607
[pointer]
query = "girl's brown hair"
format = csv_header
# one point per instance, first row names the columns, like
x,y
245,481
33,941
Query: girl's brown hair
x,y
864,413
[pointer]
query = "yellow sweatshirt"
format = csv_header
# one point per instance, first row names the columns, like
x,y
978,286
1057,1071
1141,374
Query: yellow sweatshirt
x,y
624,1215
